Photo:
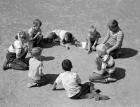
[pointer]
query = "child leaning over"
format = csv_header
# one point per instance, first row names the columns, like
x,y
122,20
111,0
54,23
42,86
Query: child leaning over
x,y
65,38
105,67
72,84
35,68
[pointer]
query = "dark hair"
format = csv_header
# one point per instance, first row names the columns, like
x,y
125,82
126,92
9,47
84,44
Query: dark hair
x,y
66,65
112,24
37,22
69,36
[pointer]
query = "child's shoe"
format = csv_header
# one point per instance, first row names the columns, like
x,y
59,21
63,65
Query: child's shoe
x,y
30,85
101,97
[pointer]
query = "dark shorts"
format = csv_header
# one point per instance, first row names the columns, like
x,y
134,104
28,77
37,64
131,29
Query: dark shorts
x,y
85,88
17,64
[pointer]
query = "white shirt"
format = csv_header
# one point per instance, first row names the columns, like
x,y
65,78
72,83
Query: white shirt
x,y
108,63
60,33
16,47
35,69
70,81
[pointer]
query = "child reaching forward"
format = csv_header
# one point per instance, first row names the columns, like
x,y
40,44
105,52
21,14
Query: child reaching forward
x,y
35,34
92,39
105,67
35,68
72,84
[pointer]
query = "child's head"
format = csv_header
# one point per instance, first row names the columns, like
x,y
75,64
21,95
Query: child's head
x,y
68,37
36,52
101,50
92,29
67,65
37,23
22,35
113,25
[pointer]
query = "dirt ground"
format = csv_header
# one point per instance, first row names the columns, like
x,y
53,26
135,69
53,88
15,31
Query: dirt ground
x,y
75,16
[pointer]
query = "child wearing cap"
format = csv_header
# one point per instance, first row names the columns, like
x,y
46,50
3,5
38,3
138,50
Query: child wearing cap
x,y
35,34
35,68
15,57
72,84
64,37
92,39
113,40
105,67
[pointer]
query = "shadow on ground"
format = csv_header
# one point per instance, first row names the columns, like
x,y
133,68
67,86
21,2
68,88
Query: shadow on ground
x,y
48,58
119,73
127,52
46,44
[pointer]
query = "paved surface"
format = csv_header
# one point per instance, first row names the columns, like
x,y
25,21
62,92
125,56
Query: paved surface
x,y
75,16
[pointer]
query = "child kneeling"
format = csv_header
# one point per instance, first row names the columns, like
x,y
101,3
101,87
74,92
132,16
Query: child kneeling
x,y
72,84
35,68
105,68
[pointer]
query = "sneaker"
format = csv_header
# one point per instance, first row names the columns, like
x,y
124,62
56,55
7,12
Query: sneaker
x,y
101,97
111,79
30,85
5,66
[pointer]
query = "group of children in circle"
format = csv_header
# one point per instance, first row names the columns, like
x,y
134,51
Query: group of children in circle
x,y
30,42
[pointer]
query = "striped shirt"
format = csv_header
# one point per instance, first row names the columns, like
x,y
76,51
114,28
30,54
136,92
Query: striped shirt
x,y
114,38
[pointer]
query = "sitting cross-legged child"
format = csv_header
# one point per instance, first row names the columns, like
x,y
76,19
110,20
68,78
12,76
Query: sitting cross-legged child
x,y
35,68
72,84
64,37
35,34
105,68
16,54
92,40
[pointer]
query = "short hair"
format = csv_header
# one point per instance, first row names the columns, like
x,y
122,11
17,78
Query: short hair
x,y
69,37
21,34
92,29
36,51
66,65
113,24
37,22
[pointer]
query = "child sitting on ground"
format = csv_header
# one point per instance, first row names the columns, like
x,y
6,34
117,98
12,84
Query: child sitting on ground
x,y
64,37
105,67
35,34
72,84
92,39
15,57
35,68
113,40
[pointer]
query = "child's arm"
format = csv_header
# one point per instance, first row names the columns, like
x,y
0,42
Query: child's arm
x,y
38,33
54,86
106,38
118,44
65,44
41,67
89,44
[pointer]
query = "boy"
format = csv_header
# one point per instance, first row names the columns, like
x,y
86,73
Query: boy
x,y
35,68
92,39
72,84
105,67
64,37
35,34
113,40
